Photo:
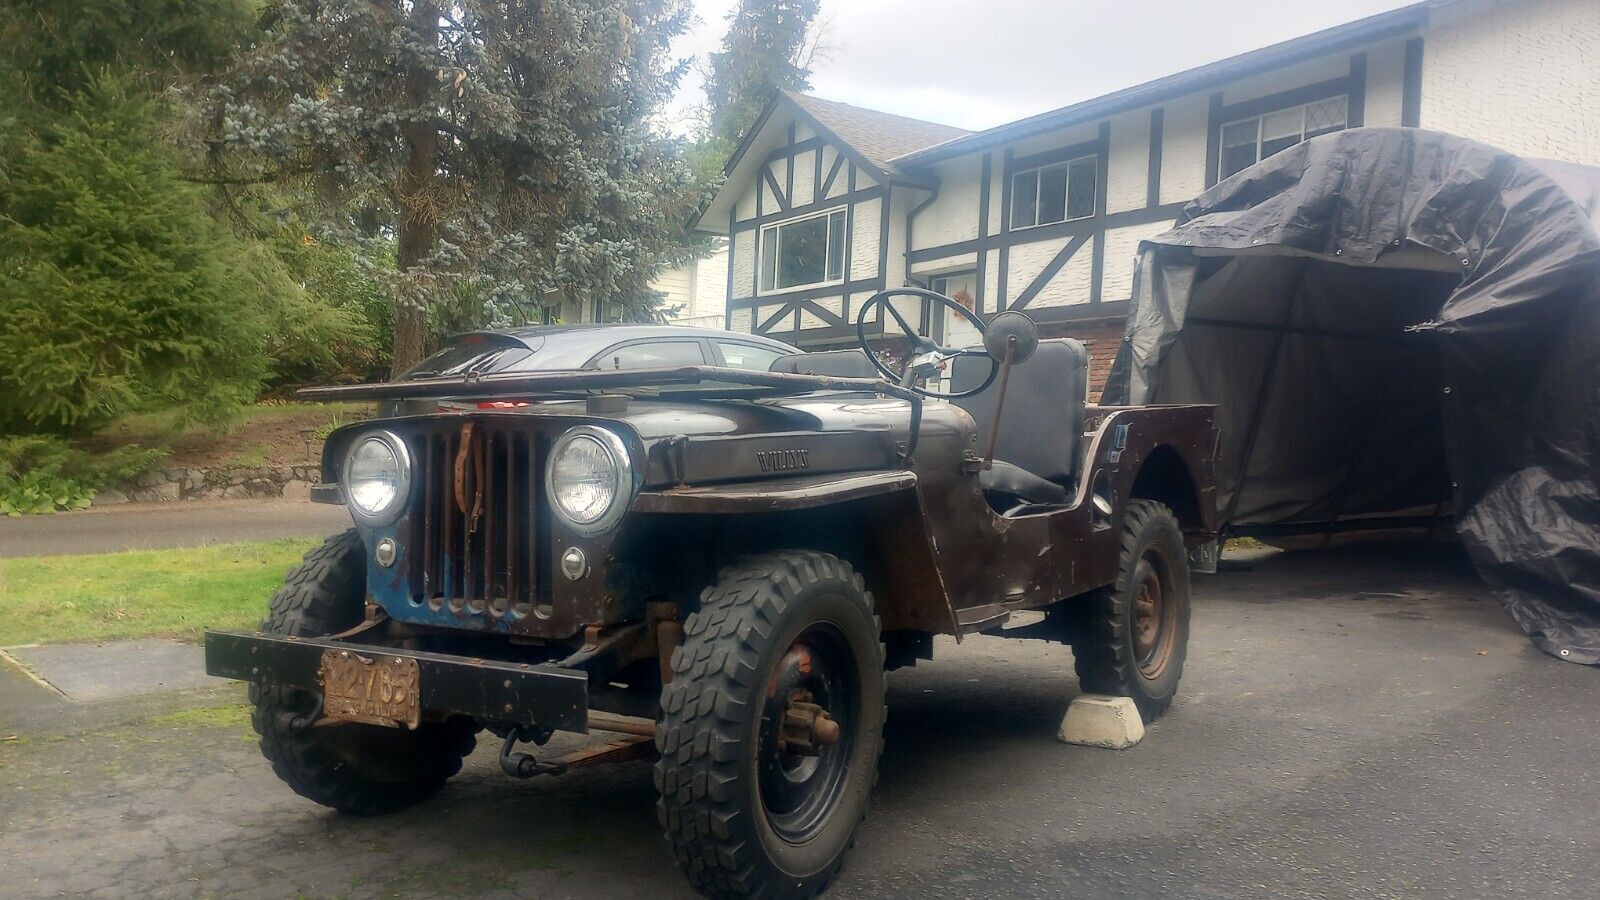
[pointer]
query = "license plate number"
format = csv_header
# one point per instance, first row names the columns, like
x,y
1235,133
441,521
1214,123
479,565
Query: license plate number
x,y
374,691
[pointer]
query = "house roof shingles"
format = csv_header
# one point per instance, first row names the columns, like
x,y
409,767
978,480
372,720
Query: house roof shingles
x,y
879,136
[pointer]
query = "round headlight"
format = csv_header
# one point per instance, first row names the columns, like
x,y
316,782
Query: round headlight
x,y
588,480
377,478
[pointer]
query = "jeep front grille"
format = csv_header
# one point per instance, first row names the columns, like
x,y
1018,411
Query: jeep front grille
x,y
476,522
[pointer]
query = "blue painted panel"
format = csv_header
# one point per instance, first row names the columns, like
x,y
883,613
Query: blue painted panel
x,y
391,589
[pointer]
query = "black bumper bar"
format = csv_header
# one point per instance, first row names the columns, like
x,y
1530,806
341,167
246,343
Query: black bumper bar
x,y
518,693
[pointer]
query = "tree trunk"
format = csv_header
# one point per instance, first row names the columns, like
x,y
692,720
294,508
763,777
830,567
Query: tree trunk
x,y
416,193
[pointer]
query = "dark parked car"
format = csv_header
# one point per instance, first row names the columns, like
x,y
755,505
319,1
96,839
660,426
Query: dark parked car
x,y
716,565
549,348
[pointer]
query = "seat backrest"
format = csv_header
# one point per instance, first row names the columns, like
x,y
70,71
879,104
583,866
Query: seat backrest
x,y
1041,425
835,363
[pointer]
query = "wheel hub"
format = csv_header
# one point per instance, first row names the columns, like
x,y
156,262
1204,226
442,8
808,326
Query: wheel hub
x,y
1153,614
807,727
805,738
1147,615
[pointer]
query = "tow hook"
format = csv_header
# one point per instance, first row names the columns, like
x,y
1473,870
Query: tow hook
x,y
298,723
525,765
807,727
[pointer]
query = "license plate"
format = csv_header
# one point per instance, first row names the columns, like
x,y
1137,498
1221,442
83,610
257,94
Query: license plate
x,y
374,691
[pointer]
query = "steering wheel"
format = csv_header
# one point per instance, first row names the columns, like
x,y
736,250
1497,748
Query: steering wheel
x,y
928,353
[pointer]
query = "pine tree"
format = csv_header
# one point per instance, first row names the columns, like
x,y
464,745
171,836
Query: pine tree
x,y
125,287
505,146
54,49
120,291
766,50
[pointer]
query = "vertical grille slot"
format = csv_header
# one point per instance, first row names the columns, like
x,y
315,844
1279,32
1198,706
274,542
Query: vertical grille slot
x,y
475,521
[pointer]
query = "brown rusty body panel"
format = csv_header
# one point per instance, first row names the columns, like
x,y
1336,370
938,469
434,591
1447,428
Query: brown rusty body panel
x,y
1034,560
943,548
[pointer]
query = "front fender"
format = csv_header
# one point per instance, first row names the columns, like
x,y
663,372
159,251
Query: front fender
x,y
885,508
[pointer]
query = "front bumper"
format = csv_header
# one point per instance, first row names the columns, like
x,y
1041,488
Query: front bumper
x,y
485,689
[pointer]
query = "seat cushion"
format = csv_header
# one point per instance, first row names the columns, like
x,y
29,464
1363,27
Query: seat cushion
x,y
1004,478
1041,426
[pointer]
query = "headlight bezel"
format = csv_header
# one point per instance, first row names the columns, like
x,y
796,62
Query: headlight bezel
x,y
402,454
623,478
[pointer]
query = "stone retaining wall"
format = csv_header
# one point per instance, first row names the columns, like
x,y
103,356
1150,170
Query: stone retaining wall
x,y
240,482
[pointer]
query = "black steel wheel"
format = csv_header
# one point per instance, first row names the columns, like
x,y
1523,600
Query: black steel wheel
x,y
1133,637
357,769
771,727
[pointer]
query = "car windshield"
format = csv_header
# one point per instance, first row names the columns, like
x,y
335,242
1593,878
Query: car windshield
x,y
483,356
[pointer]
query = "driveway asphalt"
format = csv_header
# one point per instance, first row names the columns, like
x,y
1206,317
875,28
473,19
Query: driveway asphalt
x,y
144,526
1351,724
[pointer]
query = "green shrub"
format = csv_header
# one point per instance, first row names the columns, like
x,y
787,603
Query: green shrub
x,y
43,474
331,320
121,292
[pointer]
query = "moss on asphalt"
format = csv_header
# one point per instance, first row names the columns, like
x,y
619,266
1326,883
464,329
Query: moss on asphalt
x,y
233,716
141,593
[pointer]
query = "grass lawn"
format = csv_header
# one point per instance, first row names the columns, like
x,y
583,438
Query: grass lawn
x,y
141,593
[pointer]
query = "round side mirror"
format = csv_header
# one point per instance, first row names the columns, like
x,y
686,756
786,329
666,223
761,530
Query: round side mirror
x,y
1011,329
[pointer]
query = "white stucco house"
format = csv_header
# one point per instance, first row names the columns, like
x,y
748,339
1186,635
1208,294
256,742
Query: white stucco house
x,y
697,291
826,203
694,294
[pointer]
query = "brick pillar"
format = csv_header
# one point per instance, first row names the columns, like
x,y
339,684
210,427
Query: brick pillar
x,y
1101,339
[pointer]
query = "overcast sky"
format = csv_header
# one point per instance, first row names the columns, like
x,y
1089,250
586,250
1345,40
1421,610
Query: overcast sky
x,y
980,63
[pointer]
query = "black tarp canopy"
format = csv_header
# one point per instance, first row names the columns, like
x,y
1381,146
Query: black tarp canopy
x,y
1401,328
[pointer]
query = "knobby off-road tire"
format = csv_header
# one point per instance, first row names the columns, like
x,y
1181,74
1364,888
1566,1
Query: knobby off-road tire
x,y
742,816
1116,652
358,769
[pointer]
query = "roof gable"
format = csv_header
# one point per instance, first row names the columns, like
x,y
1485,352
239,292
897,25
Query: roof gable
x,y
878,136
867,137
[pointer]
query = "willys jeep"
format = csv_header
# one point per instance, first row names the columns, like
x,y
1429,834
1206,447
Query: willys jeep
x,y
716,567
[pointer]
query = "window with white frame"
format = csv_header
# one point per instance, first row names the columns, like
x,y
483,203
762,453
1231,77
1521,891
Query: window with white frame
x,y
1053,193
1249,141
803,251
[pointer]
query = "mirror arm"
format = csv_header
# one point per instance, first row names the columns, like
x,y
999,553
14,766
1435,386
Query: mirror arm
x,y
999,402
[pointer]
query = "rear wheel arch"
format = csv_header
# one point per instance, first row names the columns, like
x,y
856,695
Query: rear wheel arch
x,y
1165,478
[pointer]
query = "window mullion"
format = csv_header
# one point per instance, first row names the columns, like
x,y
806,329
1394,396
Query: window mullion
x,y
827,250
